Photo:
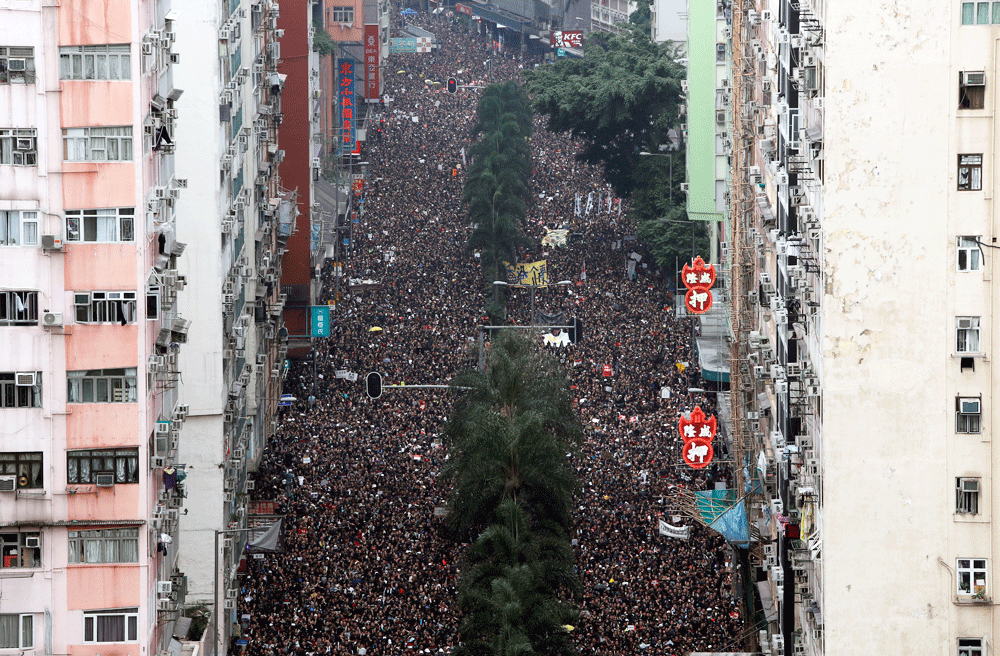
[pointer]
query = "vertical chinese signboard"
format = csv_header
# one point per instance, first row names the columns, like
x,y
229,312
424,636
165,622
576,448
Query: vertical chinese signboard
x,y
698,278
371,63
320,320
697,433
345,95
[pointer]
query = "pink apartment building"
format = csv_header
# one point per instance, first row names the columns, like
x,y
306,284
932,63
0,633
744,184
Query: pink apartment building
x,y
89,333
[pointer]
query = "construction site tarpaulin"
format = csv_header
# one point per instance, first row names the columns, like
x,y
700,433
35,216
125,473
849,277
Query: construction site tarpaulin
x,y
722,512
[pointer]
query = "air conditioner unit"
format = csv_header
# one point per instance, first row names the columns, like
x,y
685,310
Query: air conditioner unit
x,y
249,485
8,483
33,542
684,86
164,605
781,387
974,78
24,378
685,186
164,588
229,497
52,242
24,143
969,406
52,319
104,480
157,462
753,17
230,604
781,178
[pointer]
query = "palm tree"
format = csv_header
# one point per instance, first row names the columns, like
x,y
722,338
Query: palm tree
x,y
509,436
508,592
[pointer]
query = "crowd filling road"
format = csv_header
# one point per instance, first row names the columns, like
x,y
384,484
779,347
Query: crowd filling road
x,y
366,570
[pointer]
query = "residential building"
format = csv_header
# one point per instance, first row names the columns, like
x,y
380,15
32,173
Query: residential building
x,y
669,21
786,347
236,217
606,14
299,63
90,490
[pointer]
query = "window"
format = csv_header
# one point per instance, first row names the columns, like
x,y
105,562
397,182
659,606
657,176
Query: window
x,y
341,14
970,172
18,147
104,225
972,576
109,545
980,13
967,334
968,413
84,466
153,302
26,467
119,625
17,65
102,386
18,308
105,307
97,144
17,631
95,63
972,88
970,647
18,228
20,549
21,389
967,496
969,254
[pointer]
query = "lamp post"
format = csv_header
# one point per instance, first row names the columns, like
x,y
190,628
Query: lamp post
x,y
670,185
217,610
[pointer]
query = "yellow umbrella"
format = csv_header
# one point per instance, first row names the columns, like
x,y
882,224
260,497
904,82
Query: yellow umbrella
x,y
400,72
568,627
374,329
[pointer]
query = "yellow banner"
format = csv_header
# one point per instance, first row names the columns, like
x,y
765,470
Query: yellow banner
x,y
528,274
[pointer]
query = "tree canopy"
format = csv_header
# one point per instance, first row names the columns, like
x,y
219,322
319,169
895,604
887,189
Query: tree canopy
x,y
510,437
621,99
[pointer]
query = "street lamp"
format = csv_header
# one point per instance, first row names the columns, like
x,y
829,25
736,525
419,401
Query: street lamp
x,y
561,283
670,186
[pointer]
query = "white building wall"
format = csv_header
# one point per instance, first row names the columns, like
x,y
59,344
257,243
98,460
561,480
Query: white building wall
x,y
890,450
202,140
669,20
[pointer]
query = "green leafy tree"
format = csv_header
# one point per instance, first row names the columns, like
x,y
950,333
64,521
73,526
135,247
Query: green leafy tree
x,y
621,98
322,42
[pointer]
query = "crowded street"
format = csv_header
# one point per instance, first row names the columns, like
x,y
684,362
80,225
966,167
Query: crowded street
x,y
366,569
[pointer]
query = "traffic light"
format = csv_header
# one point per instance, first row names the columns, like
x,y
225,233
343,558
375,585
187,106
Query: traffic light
x,y
452,85
576,333
373,385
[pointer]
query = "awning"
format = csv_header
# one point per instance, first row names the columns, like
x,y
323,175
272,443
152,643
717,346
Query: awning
x,y
767,601
712,346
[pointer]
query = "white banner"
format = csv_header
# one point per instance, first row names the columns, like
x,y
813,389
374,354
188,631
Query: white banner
x,y
677,532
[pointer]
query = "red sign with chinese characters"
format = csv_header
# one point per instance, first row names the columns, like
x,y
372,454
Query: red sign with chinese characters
x,y
371,62
698,278
462,9
606,371
698,453
567,39
698,433
345,76
698,426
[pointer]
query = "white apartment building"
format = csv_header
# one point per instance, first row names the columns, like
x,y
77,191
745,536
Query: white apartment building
x,y
232,213
864,234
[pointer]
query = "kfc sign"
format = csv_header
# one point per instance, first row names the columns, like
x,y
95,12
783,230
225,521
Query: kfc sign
x,y
567,39
698,278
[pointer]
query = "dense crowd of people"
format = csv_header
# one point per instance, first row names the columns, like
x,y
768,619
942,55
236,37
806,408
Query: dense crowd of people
x,y
366,569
